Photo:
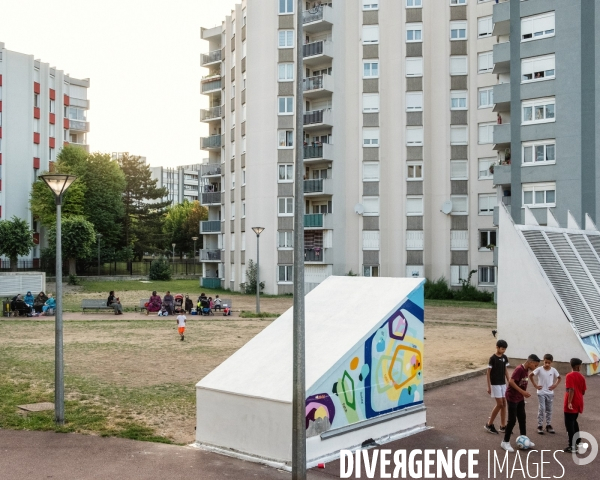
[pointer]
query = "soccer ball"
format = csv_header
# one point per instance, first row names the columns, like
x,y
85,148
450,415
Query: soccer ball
x,y
523,442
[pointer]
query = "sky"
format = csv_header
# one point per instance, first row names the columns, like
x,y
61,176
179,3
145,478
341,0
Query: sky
x,y
143,61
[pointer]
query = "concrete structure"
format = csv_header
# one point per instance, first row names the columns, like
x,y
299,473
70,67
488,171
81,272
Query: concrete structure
x,y
41,109
398,120
118,156
183,182
364,376
549,289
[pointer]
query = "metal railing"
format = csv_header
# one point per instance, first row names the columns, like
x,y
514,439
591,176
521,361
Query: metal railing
x,y
211,226
313,186
313,151
313,117
314,255
213,141
506,201
211,198
214,112
214,56
78,125
312,83
210,255
209,86
314,220
312,15
211,169
312,49
214,283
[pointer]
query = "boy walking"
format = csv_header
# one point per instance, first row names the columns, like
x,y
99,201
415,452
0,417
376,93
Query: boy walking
x,y
497,376
548,379
181,324
576,387
516,393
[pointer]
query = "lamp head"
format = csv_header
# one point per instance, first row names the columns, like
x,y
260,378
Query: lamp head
x,y
173,245
58,183
194,238
258,230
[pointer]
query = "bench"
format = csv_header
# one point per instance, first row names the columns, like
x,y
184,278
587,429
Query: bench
x,y
142,305
88,304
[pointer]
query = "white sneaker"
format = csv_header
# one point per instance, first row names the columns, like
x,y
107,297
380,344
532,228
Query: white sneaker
x,y
506,446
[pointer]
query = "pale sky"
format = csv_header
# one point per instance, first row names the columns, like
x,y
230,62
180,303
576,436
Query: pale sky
x,y
143,61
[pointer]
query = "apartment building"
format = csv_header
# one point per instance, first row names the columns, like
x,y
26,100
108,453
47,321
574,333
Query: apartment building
x,y
183,182
41,109
398,140
548,60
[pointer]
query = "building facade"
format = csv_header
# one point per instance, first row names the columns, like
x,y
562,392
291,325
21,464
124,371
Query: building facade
x,y
182,183
41,109
398,130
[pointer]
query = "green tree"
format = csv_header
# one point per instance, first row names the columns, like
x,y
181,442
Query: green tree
x,y
182,223
251,273
160,269
16,239
144,206
78,239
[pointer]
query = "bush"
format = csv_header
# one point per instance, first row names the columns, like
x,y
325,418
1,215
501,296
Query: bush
x,y
438,290
160,269
74,280
249,287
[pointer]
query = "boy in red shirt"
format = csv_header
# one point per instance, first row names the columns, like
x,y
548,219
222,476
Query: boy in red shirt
x,y
576,387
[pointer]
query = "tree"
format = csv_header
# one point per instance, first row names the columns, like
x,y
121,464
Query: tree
x,y
144,206
16,239
182,223
78,239
160,269
251,273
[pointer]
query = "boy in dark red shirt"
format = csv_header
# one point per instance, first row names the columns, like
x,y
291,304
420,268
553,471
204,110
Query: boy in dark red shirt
x,y
576,387
515,398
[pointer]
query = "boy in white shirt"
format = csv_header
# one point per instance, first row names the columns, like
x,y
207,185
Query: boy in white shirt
x,y
181,324
548,379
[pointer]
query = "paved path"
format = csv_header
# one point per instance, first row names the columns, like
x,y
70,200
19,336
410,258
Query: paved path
x,y
456,412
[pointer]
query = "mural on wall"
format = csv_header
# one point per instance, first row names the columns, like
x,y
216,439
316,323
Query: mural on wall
x,y
382,374
592,347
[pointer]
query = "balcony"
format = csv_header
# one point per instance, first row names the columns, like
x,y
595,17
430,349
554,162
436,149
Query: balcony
x,y
501,19
211,198
212,283
211,226
315,153
502,136
501,57
211,143
318,220
317,52
316,119
502,97
210,58
211,114
212,86
210,170
210,255
81,145
318,19
502,175
319,186
79,102
318,86
317,255
79,126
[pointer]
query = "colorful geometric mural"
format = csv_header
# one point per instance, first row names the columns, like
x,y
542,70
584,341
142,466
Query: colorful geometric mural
x,y
592,347
383,374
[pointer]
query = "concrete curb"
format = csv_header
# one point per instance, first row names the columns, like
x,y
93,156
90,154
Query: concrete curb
x,y
455,379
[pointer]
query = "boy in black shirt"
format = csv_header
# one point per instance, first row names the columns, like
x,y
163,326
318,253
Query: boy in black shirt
x,y
497,377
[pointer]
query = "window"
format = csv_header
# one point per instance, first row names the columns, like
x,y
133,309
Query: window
x,y
538,68
371,206
460,204
458,274
414,101
414,171
286,6
52,105
243,176
232,241
487,237
370,34
286,106
286,239
414,67
36,100
484,27
414,206
487,202
371,240
232,149
458,2
485,62
414,136
541,151
370,137
285,206
459,170
233,90
232,181
537,26
540,110
458,30
371,69
414,3
487,275
244,144
458,136
414,32
52,128
36,125
244,16
370,4
484,168
285,273
458,100
286,39
233,27
486,97
539,194
370,271
458,65
371,172
286,72
285,138
370,102
486,133
286,173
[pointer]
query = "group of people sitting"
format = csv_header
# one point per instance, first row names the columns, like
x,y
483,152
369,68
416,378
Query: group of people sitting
x,y
173,305
30,306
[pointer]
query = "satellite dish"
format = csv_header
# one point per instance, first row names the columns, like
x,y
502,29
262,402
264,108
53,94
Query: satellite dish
x,y
447,207
359,209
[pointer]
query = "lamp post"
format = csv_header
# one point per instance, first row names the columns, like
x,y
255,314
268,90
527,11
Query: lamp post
x,y
258,231
173,245
59,185
194,239
98,236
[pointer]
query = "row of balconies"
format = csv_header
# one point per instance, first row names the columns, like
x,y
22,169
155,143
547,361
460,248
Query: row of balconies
x,y
311,255
311,221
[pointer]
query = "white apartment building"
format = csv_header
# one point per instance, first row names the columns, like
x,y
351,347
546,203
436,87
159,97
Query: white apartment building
x,y
41,109
398,128
183,182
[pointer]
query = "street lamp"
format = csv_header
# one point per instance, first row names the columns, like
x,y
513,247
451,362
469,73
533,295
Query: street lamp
x,y
173,245
194,239
59,185
98,236
258,231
